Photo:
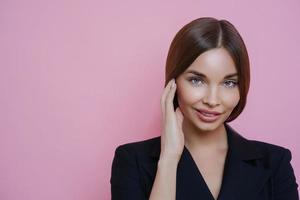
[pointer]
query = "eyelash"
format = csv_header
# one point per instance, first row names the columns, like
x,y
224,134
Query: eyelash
x,y
232,82
191,80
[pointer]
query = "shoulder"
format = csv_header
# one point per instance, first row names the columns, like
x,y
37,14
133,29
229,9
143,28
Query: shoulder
x,y
271,150
276,157
128,175
268,154
147,147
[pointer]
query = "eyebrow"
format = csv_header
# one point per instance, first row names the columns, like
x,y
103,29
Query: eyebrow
x,y
203,75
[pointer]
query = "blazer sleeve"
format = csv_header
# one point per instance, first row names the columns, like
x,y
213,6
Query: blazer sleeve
x,y
125,181
285,185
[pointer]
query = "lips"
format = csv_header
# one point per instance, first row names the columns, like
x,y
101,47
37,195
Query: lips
x,y
208,112
208,116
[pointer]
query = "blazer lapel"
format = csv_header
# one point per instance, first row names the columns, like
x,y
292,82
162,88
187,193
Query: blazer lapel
x,y
244,173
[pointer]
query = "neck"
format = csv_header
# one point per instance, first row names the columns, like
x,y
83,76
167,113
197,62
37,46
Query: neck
x,y
204,140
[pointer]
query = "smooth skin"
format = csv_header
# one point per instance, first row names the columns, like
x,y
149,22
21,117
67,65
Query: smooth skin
x,y
213,90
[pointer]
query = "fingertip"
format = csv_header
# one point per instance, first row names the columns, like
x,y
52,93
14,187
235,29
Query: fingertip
x,y
174,85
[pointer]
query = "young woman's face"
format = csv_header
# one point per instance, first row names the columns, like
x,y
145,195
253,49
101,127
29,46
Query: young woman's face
x,y
209,84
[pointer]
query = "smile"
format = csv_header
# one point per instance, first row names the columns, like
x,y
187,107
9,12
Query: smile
x,y
207,116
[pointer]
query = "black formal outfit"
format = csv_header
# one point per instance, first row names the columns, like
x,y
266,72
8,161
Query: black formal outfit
x,y
253,170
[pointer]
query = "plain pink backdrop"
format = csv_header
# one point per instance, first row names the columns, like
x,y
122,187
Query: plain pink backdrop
x,y
78,78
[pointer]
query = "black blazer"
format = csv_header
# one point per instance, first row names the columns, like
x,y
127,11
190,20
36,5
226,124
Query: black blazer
x,y
253,170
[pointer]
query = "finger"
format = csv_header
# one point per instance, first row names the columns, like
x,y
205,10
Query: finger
x,y
179,117
169,107
164,95
166,90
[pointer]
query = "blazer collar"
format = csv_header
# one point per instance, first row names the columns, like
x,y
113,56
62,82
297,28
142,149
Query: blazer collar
x,y
240,146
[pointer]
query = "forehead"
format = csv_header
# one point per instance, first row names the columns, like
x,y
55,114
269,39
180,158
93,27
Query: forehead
x,y
214,63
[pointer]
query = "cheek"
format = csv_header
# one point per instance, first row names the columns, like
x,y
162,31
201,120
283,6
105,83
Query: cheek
x,y
189,95
231,99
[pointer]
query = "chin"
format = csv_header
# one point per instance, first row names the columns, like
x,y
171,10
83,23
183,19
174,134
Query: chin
x,y
207,127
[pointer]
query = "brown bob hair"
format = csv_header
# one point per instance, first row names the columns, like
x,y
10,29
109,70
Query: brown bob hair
x,y
201,35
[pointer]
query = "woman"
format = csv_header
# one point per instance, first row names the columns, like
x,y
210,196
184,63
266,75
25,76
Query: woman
x,y
198,155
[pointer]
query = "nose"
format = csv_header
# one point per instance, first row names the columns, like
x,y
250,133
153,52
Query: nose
x,y
211,97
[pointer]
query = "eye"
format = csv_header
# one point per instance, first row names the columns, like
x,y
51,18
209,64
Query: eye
x,y
230,83
196,81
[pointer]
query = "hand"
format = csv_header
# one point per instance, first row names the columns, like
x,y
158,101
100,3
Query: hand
x,y
172,138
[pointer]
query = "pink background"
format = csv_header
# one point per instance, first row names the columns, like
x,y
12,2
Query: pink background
x,y
78,78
